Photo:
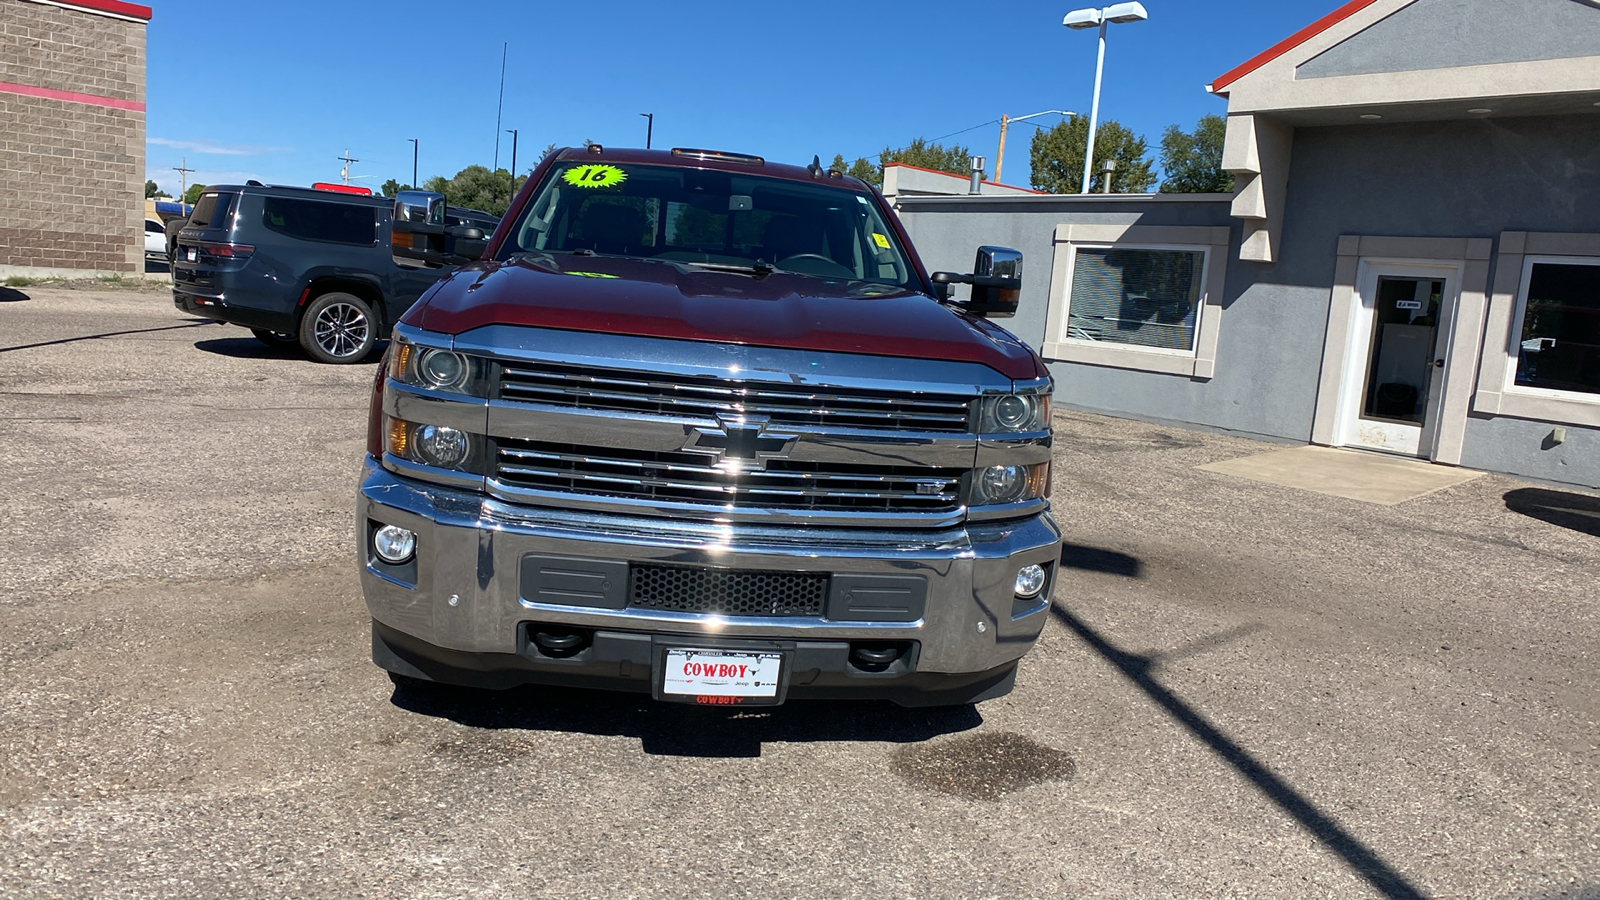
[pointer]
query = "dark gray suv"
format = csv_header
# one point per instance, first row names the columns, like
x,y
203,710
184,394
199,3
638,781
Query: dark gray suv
x,y
301,266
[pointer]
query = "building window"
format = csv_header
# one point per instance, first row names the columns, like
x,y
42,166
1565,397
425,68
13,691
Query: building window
x,y
1559,328
1140,296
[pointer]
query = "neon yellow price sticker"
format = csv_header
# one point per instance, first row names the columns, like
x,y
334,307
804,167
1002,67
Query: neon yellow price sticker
x,y
881,240
594,175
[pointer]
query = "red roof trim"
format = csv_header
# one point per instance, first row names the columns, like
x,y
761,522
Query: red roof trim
x,y
962,177
1289,43
115,7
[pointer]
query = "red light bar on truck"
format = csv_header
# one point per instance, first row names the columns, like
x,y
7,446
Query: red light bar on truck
x,y
341,188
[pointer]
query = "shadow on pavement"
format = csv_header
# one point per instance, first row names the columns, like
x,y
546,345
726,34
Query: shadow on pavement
x,y
105,334
12,295
672,729
1139,669
247,348
1564,509
1096,559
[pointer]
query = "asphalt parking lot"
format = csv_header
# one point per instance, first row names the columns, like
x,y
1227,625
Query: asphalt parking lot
x,y
1245,690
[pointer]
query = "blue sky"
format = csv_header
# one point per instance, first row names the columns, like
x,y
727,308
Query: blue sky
x,y
277,91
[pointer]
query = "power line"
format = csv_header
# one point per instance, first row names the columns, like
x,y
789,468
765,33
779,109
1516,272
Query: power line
x,y
879,156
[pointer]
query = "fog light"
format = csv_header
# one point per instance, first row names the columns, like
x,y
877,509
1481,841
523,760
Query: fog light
x,y
394,545
440,446
1030,581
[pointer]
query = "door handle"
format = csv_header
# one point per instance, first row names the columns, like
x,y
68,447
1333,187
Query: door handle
x,y
1438,364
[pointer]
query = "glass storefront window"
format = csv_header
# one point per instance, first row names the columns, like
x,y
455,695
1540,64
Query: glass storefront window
x,y
1145,297
1560,339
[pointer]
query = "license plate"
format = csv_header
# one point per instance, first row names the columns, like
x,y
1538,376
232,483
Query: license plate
x,y
721,676
191,254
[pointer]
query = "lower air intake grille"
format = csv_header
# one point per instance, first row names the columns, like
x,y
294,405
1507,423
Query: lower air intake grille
x,y
726,592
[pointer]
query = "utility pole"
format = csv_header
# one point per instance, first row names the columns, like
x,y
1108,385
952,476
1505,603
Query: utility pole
x,y
413,162
513,133
183,171
500,105
347,161
649,128
1000,158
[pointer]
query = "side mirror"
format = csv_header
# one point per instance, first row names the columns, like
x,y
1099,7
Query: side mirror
x,y
996,281
466,242
419,207
419,230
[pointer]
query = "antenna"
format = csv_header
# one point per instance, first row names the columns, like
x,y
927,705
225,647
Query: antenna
x,y
816,166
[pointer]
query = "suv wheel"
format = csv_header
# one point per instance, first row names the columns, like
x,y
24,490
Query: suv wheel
x,y
338,328
275,339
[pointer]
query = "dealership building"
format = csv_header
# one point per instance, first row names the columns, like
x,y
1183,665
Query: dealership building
x,y
1409,261
72,136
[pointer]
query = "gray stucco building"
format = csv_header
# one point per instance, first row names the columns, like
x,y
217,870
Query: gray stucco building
x,y
1410,260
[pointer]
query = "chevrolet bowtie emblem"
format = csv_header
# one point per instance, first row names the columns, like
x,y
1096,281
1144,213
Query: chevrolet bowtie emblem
x,y
740,443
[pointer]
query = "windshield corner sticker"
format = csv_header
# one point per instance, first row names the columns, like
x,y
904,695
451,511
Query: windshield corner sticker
x,y
594,175
881,240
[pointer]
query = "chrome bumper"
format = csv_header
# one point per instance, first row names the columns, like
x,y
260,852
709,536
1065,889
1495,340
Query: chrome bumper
x,y
463,594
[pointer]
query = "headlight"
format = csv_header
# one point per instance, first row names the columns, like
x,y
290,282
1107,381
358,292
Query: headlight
x,y
1009,484
431,445
1015,413
441,446
434,369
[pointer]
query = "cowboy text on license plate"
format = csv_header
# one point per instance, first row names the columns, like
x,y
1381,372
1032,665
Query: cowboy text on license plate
x,y
721,673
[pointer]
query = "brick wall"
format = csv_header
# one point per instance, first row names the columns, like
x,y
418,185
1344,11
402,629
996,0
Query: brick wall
x,y
71,171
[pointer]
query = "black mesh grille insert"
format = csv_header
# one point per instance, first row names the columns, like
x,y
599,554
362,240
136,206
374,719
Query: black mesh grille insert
x,y
726,592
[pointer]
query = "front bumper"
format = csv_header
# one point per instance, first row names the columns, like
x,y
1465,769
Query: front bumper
x,y
457,613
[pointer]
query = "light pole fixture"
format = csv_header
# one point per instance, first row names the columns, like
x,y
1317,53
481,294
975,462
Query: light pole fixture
x,y
1098,18
413,162
649,128
1000,157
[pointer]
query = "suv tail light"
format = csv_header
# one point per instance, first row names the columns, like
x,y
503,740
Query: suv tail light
x,y
226,250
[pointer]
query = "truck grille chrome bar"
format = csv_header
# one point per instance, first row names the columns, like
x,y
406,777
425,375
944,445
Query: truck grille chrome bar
x,y
706,397
685,477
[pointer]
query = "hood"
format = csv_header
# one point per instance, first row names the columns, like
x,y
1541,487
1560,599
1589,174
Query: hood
x,y
648,298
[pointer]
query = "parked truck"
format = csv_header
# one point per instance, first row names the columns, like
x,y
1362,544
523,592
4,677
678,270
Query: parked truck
x,y
702,426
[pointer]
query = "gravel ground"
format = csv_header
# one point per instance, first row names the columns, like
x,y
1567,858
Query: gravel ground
x,y
1245,690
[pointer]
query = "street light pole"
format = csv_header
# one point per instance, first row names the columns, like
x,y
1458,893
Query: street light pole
x,y
1094,107
649,128
413,162
1091,18
1000,157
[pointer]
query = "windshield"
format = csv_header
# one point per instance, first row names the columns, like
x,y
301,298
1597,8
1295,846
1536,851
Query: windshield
x,y
710,217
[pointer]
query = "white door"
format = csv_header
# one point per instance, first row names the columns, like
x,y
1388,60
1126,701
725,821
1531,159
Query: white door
x,y
1394,371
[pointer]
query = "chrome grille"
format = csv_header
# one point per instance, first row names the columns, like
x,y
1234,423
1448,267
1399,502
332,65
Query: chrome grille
x,y
726,592
703,397
686,478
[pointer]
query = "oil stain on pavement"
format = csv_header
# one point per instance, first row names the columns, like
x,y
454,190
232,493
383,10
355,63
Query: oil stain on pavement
x,y
981,766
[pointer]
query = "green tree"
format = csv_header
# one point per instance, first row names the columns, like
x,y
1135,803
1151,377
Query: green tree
x,y
862,168
475,187
1057,157
1192,163
393,187
919,152
192,195
153,190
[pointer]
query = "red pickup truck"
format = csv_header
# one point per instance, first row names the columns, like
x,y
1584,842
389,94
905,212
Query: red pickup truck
x,y
702,426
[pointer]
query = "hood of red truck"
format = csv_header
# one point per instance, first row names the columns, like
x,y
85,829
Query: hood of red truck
x,y
649,298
